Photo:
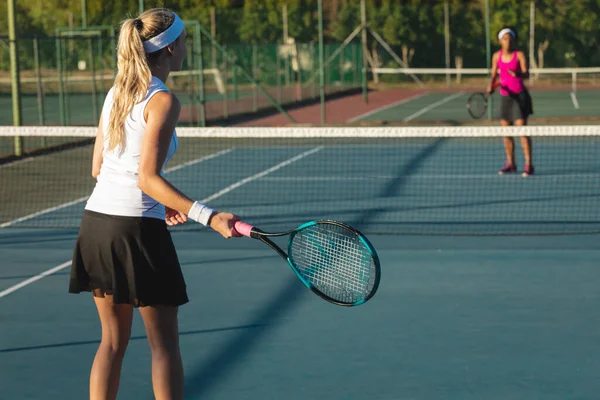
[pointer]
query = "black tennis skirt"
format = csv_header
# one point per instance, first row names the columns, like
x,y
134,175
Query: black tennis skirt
x,y
132,259
516,106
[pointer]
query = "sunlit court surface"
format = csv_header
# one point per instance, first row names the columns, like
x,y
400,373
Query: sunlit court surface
x,y
489,283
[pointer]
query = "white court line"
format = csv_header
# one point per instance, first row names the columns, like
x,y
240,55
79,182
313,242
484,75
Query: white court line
x,y
82,199
199,160
574,99
45,211
260,174
432,106
403,101
34,278
209,198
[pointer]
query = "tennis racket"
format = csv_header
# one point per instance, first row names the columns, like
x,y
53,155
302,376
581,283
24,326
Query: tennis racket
x,y
477,103
332,259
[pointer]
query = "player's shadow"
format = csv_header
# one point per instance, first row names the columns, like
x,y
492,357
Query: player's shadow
x,y
202,379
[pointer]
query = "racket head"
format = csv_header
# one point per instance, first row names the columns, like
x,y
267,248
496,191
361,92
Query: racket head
x,y
336,261
477,105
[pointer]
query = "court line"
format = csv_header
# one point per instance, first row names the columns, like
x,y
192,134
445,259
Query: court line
x,y
432,106
574,99
199,160
82,199
34,278
398,103
260,174
206,200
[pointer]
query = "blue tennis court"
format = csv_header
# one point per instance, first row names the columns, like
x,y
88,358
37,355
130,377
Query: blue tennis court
x,y
460,313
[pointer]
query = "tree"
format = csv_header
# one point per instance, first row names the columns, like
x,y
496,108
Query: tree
x,y
261,22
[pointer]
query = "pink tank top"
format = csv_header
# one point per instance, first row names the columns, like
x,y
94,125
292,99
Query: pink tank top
x,y
513,83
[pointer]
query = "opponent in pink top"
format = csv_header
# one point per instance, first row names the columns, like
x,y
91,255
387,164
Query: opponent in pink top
x,y
515,104
512,83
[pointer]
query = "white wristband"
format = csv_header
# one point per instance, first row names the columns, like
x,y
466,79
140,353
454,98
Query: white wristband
x,y
200,213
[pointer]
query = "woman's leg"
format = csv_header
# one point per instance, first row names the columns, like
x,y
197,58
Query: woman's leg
x,y
525,143
115,320
509,145
527,146
163,336
509,149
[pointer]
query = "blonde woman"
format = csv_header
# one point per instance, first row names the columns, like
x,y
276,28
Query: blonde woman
x,y
124,254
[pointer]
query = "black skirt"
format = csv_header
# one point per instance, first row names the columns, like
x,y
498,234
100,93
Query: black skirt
x,y
516,106
132,259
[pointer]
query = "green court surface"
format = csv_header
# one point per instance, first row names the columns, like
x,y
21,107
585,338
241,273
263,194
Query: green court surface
x,y
397,185
489,318
435,106
456,317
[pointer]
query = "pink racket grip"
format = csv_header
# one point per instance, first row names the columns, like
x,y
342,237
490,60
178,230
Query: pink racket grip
x,y
243,228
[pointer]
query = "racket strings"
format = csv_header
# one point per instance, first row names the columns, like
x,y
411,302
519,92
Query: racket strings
x,y
341,263
335,261
477,105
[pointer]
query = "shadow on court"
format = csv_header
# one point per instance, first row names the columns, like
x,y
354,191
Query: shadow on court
x,y
204,377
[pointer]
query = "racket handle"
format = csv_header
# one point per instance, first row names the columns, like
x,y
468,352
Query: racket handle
x,y
243,228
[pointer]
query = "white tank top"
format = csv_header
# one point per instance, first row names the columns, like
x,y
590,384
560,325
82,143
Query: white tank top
x,y
116,191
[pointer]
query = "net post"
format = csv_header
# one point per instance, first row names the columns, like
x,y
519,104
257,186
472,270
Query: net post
x,y
488,54
140,6
321,73
14,75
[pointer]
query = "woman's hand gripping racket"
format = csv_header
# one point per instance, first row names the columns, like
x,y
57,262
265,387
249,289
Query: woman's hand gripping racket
x,y
332,259
477,103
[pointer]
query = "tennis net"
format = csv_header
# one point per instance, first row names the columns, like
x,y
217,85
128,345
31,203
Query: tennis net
x,y
389,180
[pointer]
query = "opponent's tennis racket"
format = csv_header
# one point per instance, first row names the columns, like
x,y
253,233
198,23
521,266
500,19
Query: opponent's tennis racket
x,y
477,103
332,259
